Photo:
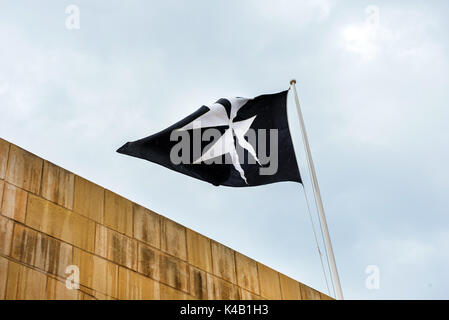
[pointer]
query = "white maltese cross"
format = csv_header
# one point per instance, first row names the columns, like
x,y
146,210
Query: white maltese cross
x,y
217,116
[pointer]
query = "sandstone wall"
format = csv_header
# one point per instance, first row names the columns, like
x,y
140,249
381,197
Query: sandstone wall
x,y
51,218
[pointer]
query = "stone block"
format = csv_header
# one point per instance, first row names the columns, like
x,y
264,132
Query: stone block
x,y
60,223
164,268
147,226
40,251
223,262
173,238
290,288
169,293
246,295
198,283
25,283
133,286
58,185
24,169
2,186
96,273
14,202
199,250
116,247
6,230
3,276
270,287
219,289
4,152
57,290
118,213
308,293
89,199
247,276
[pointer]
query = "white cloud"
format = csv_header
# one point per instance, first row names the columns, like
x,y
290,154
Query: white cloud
x,y
393,33
362,40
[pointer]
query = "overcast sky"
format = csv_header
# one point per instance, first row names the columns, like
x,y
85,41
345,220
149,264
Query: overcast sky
x,y
373,82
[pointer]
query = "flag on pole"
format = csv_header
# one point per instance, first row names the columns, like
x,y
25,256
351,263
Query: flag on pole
x,y
236,142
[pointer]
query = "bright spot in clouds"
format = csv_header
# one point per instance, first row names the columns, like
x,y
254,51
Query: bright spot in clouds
x,y
362,40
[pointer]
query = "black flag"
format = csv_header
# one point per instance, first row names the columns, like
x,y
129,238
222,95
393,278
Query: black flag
x,y
235,142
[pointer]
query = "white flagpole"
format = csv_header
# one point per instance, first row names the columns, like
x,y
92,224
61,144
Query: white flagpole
x,y
335,277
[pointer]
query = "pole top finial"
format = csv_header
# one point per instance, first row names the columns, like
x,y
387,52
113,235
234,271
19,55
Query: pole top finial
x,y
293,81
